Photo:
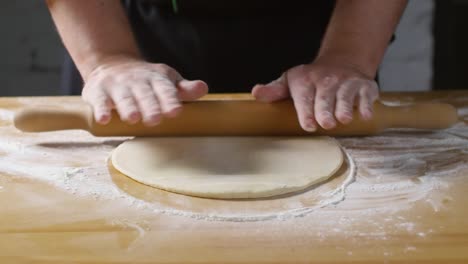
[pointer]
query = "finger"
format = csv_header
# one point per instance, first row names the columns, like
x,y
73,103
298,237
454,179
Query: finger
x,y
368,94
147,103
325,102
100,102
125,104
191,90
274,91
345,98
303,97
167,95
186,90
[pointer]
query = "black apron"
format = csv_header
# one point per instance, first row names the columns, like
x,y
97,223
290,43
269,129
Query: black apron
x,y
231,45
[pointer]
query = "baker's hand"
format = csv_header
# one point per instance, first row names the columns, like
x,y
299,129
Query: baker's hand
x,y
138,90
323,93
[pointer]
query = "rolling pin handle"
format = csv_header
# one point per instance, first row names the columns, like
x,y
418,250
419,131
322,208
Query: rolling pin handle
x,y
421,116
43,120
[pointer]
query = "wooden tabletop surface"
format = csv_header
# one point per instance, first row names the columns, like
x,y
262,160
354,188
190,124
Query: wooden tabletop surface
x,y
62,202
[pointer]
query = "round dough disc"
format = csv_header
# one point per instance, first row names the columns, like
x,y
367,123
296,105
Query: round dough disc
x,y
229,167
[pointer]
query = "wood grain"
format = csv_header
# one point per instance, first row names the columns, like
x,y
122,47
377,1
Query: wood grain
x,y
42,222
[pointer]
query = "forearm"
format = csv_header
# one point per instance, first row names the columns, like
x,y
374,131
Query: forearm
x,y
359,32
93,31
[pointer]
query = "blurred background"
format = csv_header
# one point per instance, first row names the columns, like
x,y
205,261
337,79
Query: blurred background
x,y
430,51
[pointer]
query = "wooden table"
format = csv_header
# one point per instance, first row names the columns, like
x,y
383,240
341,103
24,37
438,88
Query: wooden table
x,y
61,202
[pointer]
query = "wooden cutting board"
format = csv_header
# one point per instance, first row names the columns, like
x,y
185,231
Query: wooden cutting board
x,y
61,202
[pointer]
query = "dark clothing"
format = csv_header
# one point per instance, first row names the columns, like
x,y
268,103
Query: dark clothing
x,y
230,45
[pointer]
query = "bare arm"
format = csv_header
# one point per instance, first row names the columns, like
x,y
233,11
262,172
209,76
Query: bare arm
x,y
93,31
98,36
360,31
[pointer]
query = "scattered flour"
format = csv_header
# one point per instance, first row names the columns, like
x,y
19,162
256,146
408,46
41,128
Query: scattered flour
x,y
6,115
387,173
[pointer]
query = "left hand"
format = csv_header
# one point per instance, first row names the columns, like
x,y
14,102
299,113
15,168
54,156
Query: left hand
x,y
323,92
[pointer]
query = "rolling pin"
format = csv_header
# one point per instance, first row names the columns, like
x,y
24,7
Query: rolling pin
x,y
238,118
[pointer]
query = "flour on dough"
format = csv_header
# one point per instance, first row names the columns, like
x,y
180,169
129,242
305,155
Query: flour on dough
x,y
229,167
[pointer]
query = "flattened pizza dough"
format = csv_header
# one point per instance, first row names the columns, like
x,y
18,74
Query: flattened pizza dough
x,y
229,167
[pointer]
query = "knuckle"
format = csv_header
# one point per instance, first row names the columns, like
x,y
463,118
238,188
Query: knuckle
x,y
95,97
158,80
344,105
163,69
345,119
307,79
131,76
342,114
143,93
326,113
344,96
368,85
126,102
302,89
342,118
119,92
154,108
127,112
325,98
364,93
102,107
85,94
102,81
301,67
125,97
328,81
152,113
101,103
148,103
347,90
149,100
356,82
161,83
101,111
366,106
150,107
323,117
307,99
350,84
306,109
171,104
167,92
374,94
89,90
327,90
144,97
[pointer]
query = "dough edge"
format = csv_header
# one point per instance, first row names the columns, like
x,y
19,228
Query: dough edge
x,y
255,191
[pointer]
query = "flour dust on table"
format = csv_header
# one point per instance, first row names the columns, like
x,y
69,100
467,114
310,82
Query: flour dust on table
x,y
392,171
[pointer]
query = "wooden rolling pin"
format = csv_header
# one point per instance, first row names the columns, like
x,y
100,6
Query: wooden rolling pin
x,y
243,117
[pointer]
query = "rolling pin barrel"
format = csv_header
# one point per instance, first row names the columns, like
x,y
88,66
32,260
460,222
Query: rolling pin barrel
x,y
239,118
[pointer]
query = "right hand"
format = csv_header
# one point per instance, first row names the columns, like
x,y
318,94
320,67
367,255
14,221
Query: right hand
x,y
138,90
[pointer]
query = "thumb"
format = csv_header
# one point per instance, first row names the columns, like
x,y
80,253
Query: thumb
x,y
274,91
191,90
